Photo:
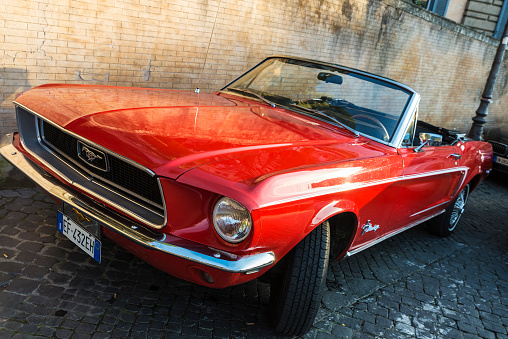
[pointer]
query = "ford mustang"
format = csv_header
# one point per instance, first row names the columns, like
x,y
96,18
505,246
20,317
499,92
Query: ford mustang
x,y
295,163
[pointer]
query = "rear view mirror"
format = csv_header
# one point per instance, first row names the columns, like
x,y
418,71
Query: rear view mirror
x,y
330,78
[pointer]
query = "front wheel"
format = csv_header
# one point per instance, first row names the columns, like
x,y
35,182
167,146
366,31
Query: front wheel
x,y
296,297
445,223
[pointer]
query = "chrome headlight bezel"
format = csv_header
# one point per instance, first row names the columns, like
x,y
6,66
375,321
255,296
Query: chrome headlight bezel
x,y
232,221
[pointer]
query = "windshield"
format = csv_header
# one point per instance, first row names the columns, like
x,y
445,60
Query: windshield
x,y
369,105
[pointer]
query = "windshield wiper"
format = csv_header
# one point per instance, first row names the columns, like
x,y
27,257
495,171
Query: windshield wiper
x,y
248,91
315,111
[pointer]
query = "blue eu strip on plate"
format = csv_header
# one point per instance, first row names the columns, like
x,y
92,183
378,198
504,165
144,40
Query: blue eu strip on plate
x,y
79,236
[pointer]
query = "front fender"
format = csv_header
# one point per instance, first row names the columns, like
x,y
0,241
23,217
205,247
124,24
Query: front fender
x,y
332,209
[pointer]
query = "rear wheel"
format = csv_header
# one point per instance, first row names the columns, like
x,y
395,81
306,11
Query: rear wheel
x,y
445,223
295,298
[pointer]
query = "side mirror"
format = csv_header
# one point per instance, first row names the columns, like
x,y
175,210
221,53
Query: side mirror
x,y
429,139
434,139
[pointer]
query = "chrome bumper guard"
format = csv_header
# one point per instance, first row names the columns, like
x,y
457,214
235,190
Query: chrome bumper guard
x,y
129,229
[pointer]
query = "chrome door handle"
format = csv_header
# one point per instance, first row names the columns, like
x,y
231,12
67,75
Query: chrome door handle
x,y
456,156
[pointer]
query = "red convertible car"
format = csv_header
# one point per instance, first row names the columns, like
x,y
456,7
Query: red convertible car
x,y
294,163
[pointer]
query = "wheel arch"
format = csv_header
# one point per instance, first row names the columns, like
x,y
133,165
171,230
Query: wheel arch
x,y
343,227
474,182
343,218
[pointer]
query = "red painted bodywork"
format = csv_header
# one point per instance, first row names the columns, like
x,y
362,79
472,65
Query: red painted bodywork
x,y
291,171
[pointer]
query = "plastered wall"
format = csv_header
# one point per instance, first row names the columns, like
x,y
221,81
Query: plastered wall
x,y
207,43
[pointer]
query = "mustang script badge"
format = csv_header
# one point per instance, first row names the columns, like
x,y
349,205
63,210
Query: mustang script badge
x,y
92,156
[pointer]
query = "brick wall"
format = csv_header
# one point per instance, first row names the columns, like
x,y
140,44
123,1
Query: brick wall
x,y
164,44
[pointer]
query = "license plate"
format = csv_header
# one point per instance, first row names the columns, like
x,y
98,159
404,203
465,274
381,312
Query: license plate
x,y
502,161
79,236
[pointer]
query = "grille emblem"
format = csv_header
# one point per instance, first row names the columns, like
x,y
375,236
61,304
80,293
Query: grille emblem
x,y
90,155
93,157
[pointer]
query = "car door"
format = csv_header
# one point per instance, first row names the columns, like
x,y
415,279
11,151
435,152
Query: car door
x,y
431,177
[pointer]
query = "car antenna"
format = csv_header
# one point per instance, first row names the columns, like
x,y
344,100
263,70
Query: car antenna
x,y
208,47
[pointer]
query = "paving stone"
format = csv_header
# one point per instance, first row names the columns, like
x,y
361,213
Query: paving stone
x,y
408,310
22,336
494,327
52,321
486,334
45,331
30,246
22,285
354,324
424,334
372,329
342,331
10,300
452,314
446,322
450,332
384,322
490,317
365,316
12,325
464,327
405,329
11,267
28,329
7,241
64,334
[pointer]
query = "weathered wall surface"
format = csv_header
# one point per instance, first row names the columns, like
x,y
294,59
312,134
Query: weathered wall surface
x,y
157,43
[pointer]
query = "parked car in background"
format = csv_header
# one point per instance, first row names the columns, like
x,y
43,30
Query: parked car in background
x,y
497,136
294,163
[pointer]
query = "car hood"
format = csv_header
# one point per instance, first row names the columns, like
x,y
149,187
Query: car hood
x,y
171,132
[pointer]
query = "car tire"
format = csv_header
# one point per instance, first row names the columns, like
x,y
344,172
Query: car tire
x,y
444,224
295,297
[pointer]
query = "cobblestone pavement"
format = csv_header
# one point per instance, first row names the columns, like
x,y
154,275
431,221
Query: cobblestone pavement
x,y
412,285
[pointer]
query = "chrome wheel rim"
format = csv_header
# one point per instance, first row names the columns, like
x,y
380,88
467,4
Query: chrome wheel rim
x,y
458,208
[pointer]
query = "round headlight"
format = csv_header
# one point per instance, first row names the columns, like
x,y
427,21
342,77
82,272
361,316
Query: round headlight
x,y
231,220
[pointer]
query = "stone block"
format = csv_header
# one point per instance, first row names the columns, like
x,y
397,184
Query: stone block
x,y
483,8
483,25
478,15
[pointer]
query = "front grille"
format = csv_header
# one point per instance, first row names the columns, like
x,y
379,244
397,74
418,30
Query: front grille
x,y
121,175
498,147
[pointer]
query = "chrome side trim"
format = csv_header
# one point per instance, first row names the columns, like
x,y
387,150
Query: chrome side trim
x,y
459,185
430,208
132,231
377,241
350,187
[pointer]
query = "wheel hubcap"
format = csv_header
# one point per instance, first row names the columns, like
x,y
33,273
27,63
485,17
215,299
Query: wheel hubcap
x,y
458,208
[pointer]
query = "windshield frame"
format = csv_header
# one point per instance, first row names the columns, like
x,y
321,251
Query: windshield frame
x,y
405,116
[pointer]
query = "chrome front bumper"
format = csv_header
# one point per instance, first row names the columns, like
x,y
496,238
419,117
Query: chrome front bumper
x,y
128,228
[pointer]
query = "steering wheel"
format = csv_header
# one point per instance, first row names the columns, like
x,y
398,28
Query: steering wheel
x,y
386,135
